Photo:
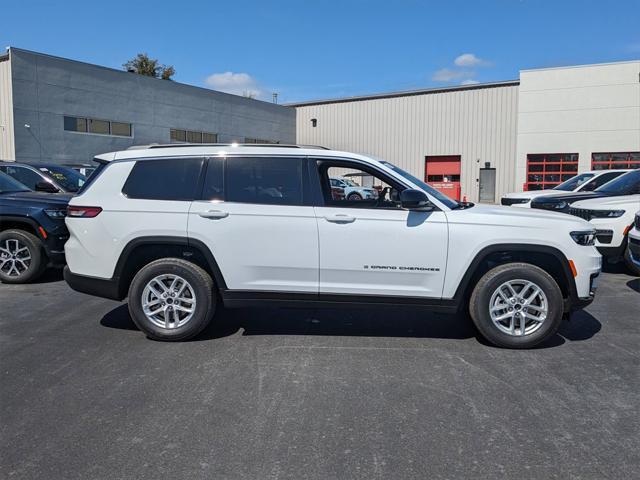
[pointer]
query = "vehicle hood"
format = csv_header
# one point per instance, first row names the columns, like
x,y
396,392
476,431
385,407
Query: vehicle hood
x,y
623,202
568,197
534,193
507,216
37,198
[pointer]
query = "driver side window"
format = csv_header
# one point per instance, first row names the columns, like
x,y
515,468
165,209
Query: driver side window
x,y
345,185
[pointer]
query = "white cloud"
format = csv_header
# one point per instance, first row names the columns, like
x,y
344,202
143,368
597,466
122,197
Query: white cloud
x,y
469,81
235,83
448,75
470,60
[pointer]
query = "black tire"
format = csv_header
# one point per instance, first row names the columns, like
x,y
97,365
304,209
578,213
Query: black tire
x,y
354,196
201,284
632,267
35,266
491,281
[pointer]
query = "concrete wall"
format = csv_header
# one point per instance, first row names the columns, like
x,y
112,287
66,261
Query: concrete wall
x,y
46,88
480,124
6,111
584,110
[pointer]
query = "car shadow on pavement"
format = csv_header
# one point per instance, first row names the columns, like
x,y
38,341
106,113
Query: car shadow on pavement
x,y
634,285
352,322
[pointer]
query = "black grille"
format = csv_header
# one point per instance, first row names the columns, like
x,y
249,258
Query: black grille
x,y
581,212
637,222
513,201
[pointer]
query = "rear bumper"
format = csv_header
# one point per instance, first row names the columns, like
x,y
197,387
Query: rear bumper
x,y
98,287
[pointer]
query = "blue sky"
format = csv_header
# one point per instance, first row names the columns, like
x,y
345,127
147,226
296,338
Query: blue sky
x,y
319,49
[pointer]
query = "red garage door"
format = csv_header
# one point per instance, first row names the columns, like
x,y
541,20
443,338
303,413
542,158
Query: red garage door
x,y
442,172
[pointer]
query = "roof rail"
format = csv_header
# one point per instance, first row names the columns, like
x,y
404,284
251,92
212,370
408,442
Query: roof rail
x,y
260,145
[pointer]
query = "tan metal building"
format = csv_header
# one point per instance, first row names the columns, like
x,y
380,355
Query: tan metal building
x,y
481,141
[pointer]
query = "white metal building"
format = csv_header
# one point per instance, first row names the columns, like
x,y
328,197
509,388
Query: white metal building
x,y
480,141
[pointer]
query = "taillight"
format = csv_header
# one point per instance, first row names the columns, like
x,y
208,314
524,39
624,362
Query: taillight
x,y
82,212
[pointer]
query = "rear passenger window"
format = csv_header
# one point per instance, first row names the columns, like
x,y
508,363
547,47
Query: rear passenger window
x,y
165,179
272,181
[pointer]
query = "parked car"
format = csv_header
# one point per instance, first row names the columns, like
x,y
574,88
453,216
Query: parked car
x,y
45,177
176,228
353,191
626,184
613,218
32,231
634,242
583,182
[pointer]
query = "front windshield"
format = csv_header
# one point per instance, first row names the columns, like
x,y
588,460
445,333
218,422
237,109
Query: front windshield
x,y
442,198
10,185
627,183
574,182
68,178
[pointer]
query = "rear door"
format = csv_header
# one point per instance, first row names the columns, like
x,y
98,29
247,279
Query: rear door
x,y
255,218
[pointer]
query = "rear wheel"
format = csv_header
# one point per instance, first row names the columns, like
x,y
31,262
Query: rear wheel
x,y
516,305
355,196
171,299
21,257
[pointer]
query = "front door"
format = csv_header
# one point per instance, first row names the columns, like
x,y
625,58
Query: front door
x,y
368,244
253,217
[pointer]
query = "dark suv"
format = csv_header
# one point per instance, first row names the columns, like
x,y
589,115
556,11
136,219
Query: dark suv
x,y
32,231
45,177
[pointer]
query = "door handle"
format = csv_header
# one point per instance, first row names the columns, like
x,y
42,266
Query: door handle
x,y
214,214
340,218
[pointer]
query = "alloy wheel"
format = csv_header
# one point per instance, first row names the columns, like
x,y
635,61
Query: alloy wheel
x,y
168,301
15,258
518,307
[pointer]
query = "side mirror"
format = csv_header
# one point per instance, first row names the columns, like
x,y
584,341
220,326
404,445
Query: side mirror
x,y
411,199
46,187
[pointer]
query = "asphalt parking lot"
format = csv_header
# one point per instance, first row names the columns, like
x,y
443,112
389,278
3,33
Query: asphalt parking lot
x,y
318,394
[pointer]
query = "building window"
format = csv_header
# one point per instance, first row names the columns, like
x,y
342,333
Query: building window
x,y
546,171
608,161
75,124
260,141
180,136
99,127
121,129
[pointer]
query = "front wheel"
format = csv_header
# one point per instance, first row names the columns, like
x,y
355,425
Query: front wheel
x,y
354,197
171,299
22,259
516,305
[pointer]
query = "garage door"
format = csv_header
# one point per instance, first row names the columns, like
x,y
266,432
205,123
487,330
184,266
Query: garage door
x,y
442,172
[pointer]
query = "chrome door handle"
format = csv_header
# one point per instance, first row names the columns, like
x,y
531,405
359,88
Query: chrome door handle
x,y
340,218
214,214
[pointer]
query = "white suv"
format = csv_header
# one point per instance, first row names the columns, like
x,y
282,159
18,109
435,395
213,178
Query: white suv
x,y
584,182
181,228
353,191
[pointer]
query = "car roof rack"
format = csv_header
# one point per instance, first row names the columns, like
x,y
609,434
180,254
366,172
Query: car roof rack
x,y
258,145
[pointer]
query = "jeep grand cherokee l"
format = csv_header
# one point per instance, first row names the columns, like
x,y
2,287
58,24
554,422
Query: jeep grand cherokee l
x,y
32,231
181,229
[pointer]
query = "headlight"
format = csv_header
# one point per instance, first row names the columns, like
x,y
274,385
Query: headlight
x,y
586,238
606,213
560,205
56,214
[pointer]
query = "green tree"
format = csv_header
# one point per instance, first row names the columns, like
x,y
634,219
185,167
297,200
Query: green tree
x,y
143,65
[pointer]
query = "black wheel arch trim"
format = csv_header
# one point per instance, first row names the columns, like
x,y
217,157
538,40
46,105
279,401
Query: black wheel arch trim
x,y
511,248
18,219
